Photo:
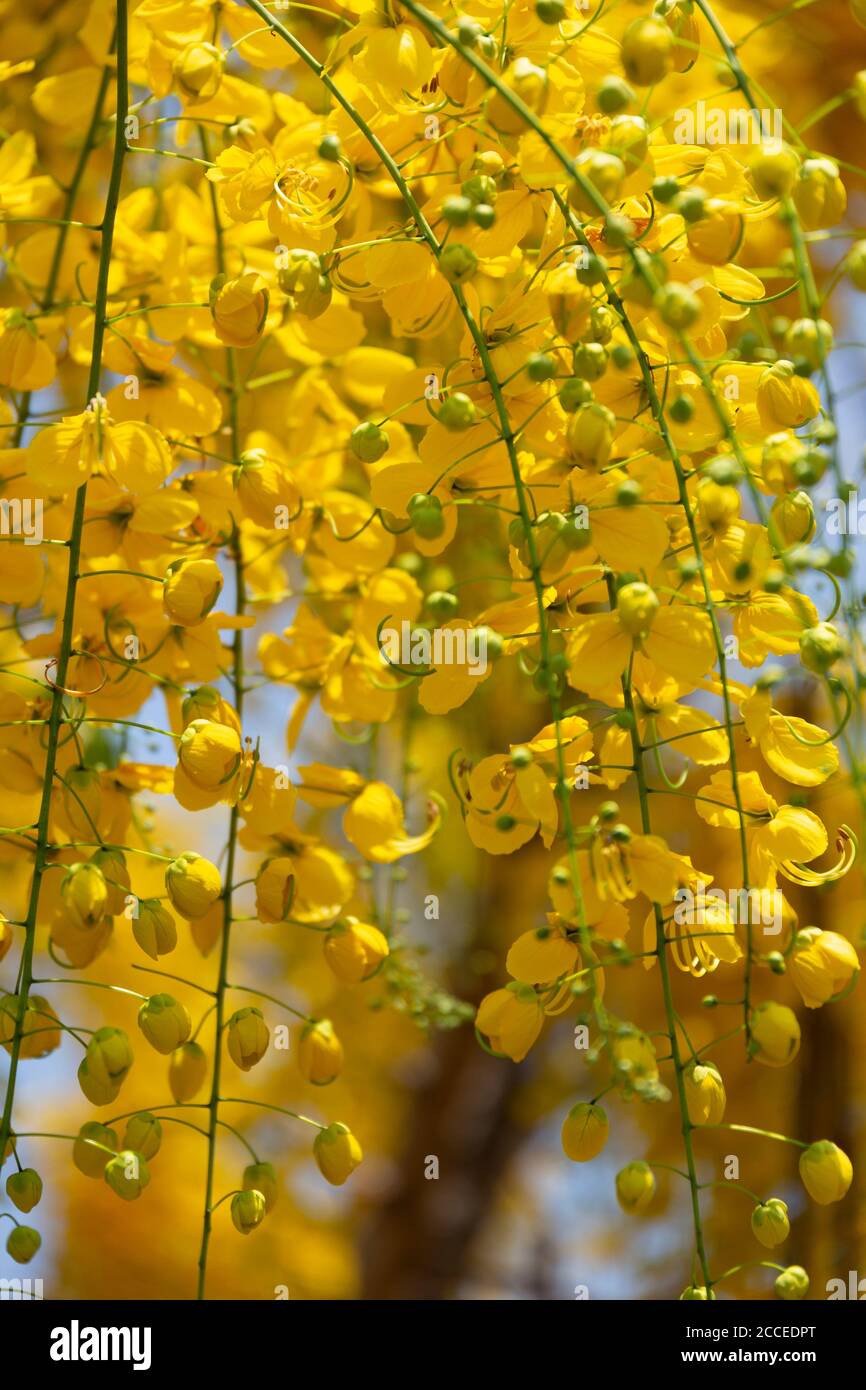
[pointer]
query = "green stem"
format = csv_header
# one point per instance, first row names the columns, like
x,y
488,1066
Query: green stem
x,y
55,718
237,683
686,1125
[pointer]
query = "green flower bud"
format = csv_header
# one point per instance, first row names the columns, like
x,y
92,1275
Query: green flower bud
x,y
770,1224
164,1022
458,262
821,647
127,1174
682,409
24,1189
425,513
143,1134
369,442
589,361
637,605
550,11
248,1210
792,1284
457,210
665,188
87,1157
480,188
23,1244
457,412
540,366
109,1057
574,393
613,95
329,147
304,281
442,604
678,306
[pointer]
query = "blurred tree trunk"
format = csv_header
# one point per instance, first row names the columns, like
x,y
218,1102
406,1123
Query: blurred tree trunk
x,y
419,1239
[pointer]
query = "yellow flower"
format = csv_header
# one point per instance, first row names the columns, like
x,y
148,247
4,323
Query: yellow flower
x,y
190,590
770,1224
248,1037
670,638
84,894
266,489
239,309
187,1071
320,1052
826,1172
39,1036
354,950
193,884
635,1063
819,194
786,400
132,454
275,887
143,1134
793,748
700,927
585,1132
705,1093
511,1020
542,955
775,1034
198,71
823,965
154,929
26,362
374,824
781,839
337,1153
635,1186
164,1022
209,753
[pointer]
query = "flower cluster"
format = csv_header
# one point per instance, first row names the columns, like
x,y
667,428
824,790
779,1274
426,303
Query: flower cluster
x,y
327,310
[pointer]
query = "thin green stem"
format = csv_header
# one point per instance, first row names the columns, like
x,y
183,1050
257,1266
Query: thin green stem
x,y
55,717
